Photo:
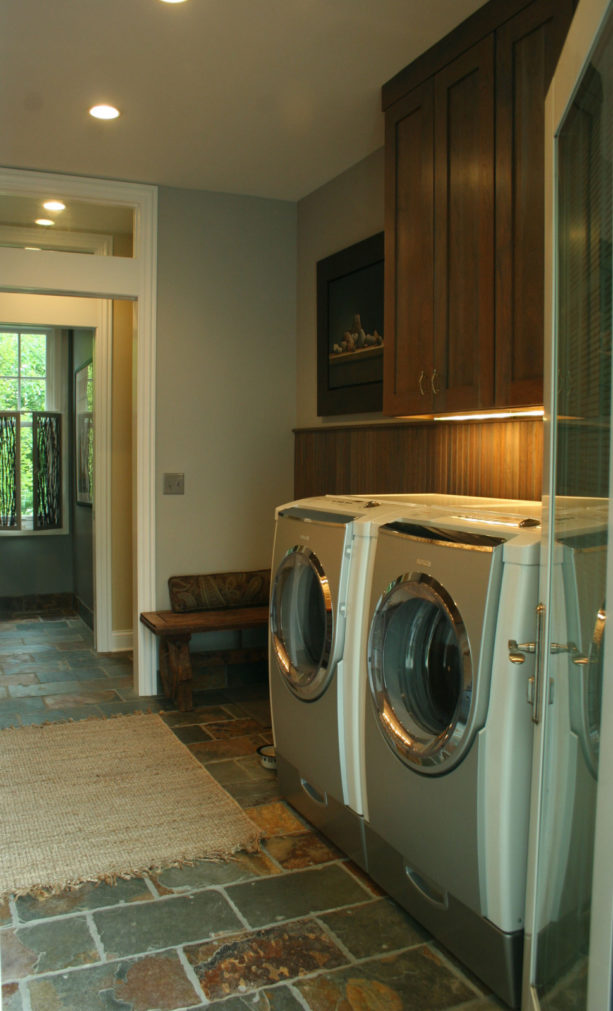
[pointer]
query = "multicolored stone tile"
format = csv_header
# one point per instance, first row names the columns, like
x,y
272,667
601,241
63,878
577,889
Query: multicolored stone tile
x,y
276,819
300,893
228,772
296,851
248,961
191,734
66,696
17,959
233,728
139,705
253,768
278,998
210,751
95,674
213,873
374,928
411,981
53,673
18,679
249,793
57,944
82,658
82,899
257,709
61,715
22,706
203,714
17,658
9,720
127,930
11,997
153,981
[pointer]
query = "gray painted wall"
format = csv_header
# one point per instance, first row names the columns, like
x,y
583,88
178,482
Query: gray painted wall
x,y
345,210
226,366
35,565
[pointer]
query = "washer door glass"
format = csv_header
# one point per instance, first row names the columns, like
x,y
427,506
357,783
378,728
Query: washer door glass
x,y
420,674
302,623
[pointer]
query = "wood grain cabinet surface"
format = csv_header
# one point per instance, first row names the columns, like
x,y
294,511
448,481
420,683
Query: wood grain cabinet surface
x,y
464,185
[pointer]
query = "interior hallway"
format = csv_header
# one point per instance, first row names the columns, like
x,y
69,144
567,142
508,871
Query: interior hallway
x,y
308,930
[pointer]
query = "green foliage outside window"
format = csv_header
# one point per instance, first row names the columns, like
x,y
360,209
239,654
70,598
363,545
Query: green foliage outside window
x,y
23,387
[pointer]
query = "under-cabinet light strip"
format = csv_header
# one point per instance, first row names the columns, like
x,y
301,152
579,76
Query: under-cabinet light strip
x,y
535,412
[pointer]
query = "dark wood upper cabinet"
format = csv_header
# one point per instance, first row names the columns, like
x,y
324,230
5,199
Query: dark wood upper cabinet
x,y
464,219
527,49
409,252
464,230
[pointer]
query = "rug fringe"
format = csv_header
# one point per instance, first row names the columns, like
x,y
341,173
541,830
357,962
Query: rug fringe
x,y
85,719
42,892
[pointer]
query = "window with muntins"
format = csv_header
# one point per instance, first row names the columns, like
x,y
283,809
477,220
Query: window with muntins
x,y
30,432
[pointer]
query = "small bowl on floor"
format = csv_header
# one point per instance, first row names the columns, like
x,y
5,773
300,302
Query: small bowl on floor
x,y
267,756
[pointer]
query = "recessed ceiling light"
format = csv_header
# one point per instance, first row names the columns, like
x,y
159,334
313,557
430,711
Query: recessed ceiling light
x,y
104,112
45,222
173,1
54,205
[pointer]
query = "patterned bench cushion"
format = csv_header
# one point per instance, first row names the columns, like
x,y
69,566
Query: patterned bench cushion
x,y
216,590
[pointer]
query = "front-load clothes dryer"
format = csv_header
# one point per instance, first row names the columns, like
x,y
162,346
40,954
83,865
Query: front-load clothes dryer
x,y
447,729
575,671
315,583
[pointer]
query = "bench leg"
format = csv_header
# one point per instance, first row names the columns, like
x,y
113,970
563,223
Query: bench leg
x,y
176,671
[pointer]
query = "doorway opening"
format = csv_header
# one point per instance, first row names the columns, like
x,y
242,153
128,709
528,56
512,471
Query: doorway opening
x,y
101,281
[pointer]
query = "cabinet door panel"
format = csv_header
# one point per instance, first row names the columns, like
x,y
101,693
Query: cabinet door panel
x,y
409,254
464,230
527,48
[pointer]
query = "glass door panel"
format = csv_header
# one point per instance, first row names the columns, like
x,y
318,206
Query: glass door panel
x,y
574,583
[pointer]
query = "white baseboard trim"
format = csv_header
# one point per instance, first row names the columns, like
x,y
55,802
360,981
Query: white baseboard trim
x,y
121,639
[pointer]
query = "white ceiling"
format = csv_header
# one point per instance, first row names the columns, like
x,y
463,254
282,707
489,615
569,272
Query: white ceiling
x,y
261,97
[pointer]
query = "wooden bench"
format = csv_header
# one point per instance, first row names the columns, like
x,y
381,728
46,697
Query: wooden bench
x,y
215,602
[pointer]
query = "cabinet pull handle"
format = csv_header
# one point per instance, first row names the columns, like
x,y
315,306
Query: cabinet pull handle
x,y
435,389
422,376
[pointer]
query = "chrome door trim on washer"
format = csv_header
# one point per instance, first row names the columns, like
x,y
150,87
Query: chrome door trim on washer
x,y
302,623
423,696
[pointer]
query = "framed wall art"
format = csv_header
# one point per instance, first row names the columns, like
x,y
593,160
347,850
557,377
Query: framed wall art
x,y
350,331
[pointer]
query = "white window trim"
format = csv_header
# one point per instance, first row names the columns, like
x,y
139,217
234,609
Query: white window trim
x,y
57,380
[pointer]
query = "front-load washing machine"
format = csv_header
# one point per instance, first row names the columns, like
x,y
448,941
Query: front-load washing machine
x,y
317,584
447,743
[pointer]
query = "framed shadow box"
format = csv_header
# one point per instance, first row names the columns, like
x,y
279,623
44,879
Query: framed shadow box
x,y
350,329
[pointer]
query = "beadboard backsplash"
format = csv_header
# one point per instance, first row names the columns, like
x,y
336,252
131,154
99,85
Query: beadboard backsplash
x,y
494,458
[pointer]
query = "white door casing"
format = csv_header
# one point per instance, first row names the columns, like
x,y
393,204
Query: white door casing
x,y
107,277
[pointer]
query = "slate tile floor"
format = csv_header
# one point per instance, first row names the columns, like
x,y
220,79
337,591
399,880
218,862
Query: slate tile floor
x,y
293,927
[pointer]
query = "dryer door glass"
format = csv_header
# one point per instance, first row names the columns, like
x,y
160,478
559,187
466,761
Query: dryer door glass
x,y
420,674
302,623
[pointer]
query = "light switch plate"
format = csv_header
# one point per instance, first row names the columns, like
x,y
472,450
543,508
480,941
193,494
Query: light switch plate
x,y
174,484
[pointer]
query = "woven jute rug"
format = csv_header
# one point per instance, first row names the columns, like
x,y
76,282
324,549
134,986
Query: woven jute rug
x,y
101,799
